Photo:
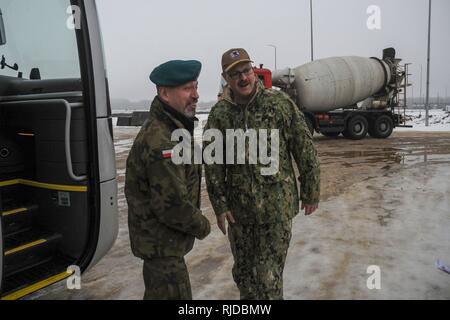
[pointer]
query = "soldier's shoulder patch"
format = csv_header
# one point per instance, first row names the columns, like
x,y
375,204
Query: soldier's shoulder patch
x,y
163,152
167,154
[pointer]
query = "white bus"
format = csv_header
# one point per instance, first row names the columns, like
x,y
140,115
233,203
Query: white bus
x,y
58,188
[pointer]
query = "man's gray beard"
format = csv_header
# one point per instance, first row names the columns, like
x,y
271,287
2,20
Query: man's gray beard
x,y
190,115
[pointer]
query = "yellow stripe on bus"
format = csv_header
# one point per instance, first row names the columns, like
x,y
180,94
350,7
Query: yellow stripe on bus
x,y
10,212
58,187
9,183
31,183
25,246
37,286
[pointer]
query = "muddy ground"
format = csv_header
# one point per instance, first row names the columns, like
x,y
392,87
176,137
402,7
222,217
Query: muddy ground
x,y
384,203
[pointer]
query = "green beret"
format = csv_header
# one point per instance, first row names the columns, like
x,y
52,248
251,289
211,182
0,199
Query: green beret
x,y
176,72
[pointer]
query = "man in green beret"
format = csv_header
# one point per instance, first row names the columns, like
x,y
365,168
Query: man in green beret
x,y
164,216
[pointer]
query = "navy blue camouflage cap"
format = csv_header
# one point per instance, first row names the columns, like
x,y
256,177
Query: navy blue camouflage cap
x,y
176,72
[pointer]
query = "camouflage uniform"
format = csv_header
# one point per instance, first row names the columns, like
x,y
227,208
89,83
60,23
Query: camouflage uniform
x,y
163,205
263,206
166,278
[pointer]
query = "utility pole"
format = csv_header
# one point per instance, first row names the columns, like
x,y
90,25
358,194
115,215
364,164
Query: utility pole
x,y
446,96
421,82
428,65
312,30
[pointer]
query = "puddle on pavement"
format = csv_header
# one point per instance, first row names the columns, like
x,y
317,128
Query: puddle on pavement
x,y
400,151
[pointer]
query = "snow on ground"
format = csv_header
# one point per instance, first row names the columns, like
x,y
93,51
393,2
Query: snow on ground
x,y
439,120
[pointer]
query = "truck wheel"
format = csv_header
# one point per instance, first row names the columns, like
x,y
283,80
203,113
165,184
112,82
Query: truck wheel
x,y
382,127
357,128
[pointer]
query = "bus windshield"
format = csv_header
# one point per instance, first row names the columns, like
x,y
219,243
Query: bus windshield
x,y
40,34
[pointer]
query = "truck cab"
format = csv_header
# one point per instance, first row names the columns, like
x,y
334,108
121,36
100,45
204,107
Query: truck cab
x,y
58,188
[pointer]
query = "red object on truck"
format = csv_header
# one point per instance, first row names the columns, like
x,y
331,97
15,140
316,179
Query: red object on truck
x,y
265,75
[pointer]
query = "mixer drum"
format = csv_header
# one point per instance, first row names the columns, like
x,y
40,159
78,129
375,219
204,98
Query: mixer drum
x,y
333,83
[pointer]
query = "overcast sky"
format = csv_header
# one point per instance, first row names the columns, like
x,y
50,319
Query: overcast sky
x,y
141,34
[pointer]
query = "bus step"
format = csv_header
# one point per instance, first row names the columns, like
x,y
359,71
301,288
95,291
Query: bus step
x,y
26,282
18,220
28,249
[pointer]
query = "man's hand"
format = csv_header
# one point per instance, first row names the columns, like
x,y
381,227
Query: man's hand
x,y
221,221
309,208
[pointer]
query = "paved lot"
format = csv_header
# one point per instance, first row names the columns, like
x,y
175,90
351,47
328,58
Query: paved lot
x,y
384,203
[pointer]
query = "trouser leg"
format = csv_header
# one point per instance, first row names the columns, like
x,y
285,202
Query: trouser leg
x,y
166,278
259,257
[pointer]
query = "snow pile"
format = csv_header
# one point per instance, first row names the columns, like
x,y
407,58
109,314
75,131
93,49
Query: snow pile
x,y
439,120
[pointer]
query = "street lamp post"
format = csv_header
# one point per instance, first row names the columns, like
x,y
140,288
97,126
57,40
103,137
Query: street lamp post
x,y
446,96
275,47
312,30
428,65
421,82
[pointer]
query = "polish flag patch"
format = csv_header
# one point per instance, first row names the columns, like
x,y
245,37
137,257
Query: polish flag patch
x,y
167,154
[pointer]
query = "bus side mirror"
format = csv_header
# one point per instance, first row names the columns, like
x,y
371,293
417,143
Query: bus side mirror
x,y
2,30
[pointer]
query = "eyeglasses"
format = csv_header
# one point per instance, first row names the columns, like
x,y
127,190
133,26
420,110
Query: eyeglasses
x,y
237,74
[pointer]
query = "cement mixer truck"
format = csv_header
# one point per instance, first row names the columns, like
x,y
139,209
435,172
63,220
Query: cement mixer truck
x,y
352,96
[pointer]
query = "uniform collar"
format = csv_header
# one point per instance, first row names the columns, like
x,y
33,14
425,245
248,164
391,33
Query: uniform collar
x,y
179,119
